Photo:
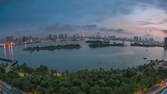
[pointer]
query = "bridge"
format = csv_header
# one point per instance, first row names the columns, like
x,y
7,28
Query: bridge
x,y
12,62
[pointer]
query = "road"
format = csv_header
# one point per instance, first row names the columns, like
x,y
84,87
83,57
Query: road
x,y
158,90
6,89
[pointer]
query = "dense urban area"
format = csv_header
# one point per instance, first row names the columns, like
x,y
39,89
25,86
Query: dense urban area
x,y
136,40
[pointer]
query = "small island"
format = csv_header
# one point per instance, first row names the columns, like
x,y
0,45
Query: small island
x,y
104,43
96,41
51,48
100,45
144,45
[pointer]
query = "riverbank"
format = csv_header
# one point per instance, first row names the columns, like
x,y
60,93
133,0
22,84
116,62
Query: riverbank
x,y
99,81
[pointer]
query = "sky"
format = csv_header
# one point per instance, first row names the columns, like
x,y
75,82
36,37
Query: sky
x,y
118,17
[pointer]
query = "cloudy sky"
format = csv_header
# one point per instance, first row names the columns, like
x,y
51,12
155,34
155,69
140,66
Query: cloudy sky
x,y
124,17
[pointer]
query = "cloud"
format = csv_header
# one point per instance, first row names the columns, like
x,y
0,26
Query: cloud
x,y
152,23
81,28
158,3
73,15
164,31
114,30
147,23
4,2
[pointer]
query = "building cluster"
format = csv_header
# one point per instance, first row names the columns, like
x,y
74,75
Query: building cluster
x,y
50,37
165,42
74,37
63,36
139,38
12,40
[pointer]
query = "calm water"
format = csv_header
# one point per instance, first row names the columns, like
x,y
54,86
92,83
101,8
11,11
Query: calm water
x,y
85,58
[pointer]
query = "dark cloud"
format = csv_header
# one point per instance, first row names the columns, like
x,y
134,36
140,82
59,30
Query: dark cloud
x,y
77,28
59,27
4,2
113,30
158,3
152,23
147,23
69,28
164,31
162,4
39,12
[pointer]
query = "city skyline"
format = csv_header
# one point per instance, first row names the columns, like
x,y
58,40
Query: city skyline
x,y
120,17
83,46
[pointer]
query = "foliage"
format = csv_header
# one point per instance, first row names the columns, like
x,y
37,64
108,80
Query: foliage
x,y
42,81
68,46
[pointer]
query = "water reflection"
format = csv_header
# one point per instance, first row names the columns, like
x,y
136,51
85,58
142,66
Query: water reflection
x,y
11,51
25,44
84,58
4,51
8,52
165,52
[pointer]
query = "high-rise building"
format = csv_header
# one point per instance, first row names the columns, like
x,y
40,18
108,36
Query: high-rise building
x,y
50,37
55,37
165,42
136,38
10,38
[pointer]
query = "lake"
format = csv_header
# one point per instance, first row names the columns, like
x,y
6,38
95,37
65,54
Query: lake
x,y
84,58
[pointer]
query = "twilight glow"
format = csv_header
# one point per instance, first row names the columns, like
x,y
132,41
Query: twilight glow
x,y
35,17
